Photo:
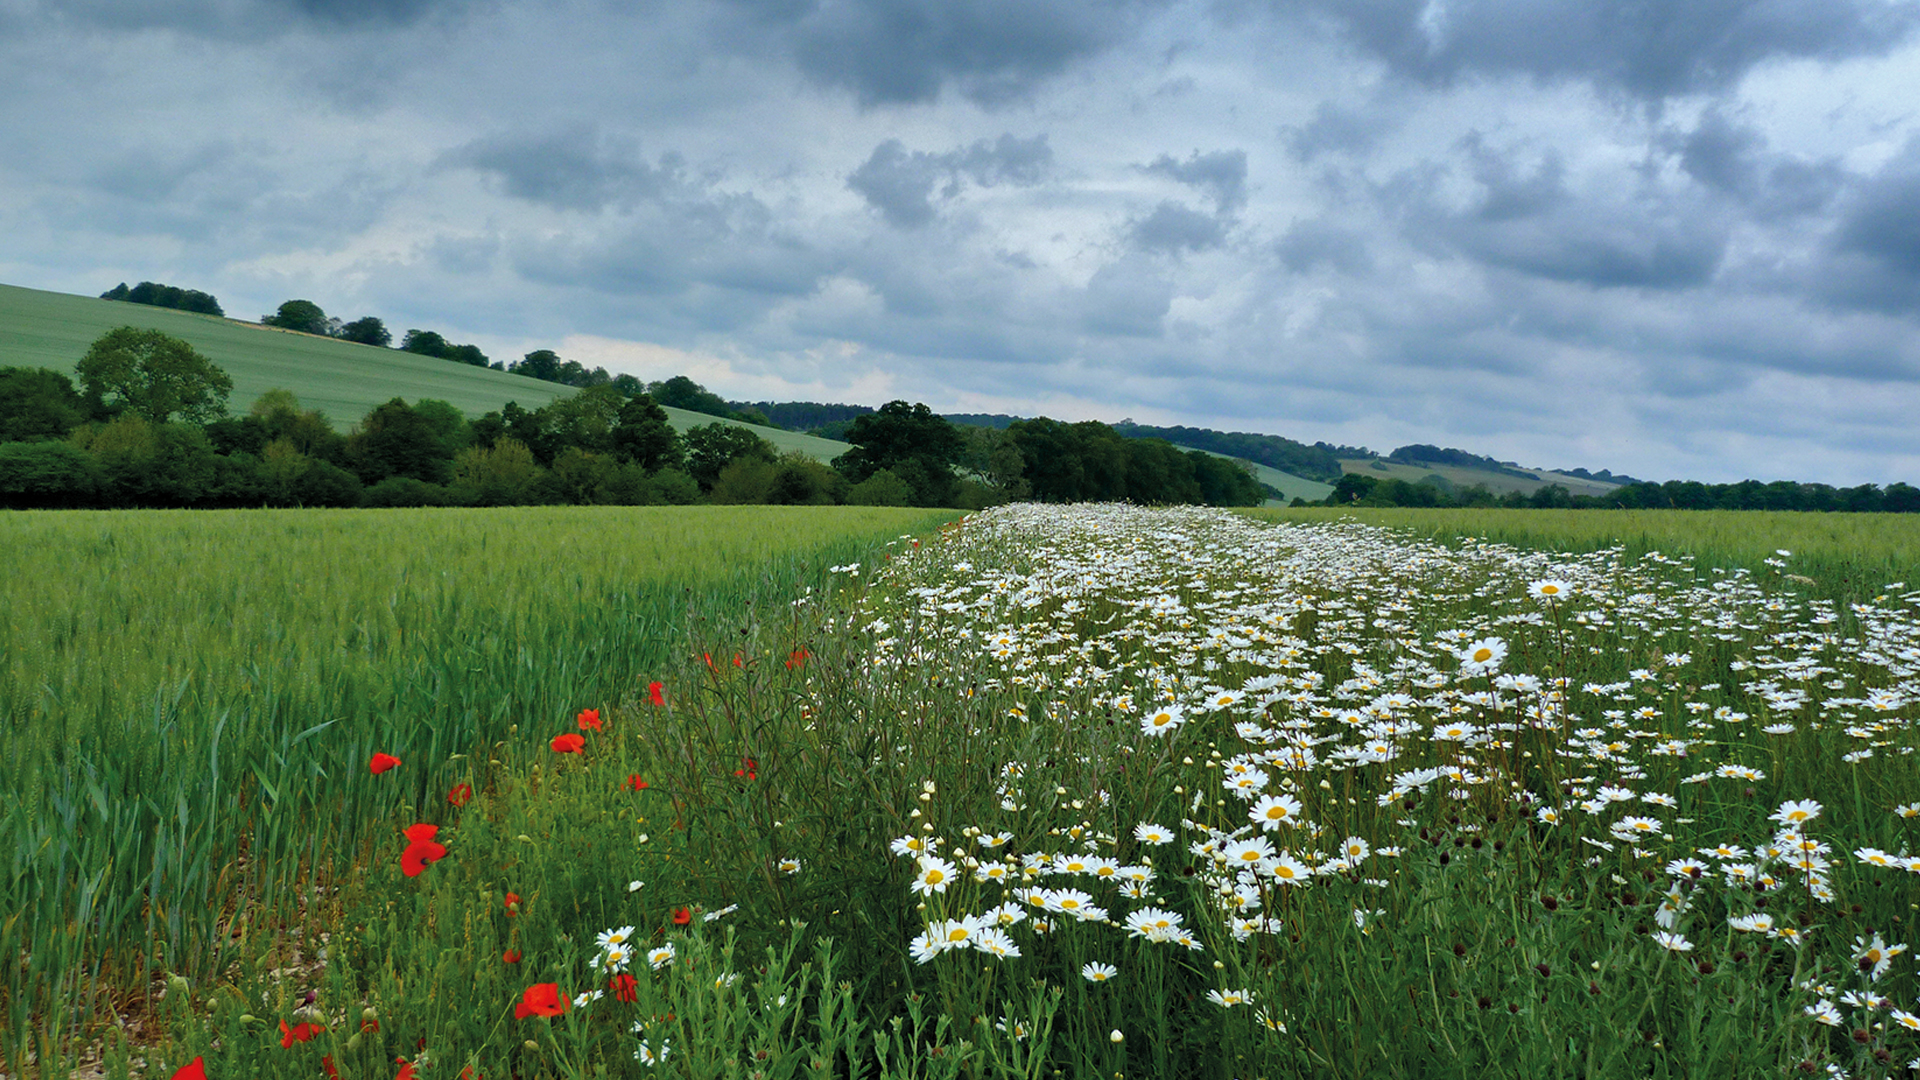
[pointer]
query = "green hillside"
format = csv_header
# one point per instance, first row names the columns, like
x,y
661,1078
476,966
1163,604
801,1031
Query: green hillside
x,y
341,379
1461,477
1289,485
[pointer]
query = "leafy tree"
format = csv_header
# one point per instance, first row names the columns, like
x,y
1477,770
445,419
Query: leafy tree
x,y
367,330
681,392
149,464
153,375
166,296
397,440
465,354
36,403
47,474
424,342
542,364
712,447
504,474
883,488
304,316
915,443
642,434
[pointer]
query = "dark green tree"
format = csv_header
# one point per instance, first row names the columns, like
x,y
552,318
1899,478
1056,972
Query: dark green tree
x,y
397,440
367,330
38,404
642,435
47,474
542,364
712,447
424,342
304,316
681,392
153,375
910,440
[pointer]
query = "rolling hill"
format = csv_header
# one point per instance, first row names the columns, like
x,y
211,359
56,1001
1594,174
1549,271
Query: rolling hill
x,y
1507,479
341,379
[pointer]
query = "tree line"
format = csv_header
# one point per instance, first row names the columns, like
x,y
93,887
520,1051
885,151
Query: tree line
x,y
147,426
1359,489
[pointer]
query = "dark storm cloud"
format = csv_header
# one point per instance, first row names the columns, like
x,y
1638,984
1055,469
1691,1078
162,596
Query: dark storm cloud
x,y
1652,49
893,51
1221,174
576,169
1874,256
902,185
1174,227
1526,220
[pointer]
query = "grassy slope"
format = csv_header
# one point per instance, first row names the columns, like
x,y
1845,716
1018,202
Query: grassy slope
x,y
1293,487
1498,483
340,378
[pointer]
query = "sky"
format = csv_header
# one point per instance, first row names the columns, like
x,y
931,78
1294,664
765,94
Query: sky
x,y
1670,238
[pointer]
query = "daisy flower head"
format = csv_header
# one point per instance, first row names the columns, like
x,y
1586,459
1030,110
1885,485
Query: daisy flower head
x,y
616,957
607,939
934,876
1482,657
1287,870
911,845
661,956
1227,999
1148,833
1272,811
1097,972
1795,812
1162,721
1549,589
1672,942
996,942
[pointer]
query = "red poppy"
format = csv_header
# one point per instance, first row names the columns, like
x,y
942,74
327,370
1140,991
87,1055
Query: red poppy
x,y
655,694
798,658
589,720
540,999
748,768
326,1062
682,916
736,660
511,956
297,1033
461,794
192,1070
568,743
513,903
421,849
381,763
468,1074
624,987
406,1070
634,783
369,1025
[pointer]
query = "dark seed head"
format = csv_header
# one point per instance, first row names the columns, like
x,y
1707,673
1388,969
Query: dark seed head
x,y
1543,969
1459,949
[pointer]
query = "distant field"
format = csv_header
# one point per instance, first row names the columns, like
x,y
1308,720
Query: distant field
x,y
1846,555
1293,487
1498,483
341,379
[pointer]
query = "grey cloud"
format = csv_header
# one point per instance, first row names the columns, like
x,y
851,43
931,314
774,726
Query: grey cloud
x,y
1173,227
894,51
1128,298
1651,49
1529,222
1874,252
901,184
1309,244
574,169
1333,129
1735,161
1221,173
258,19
